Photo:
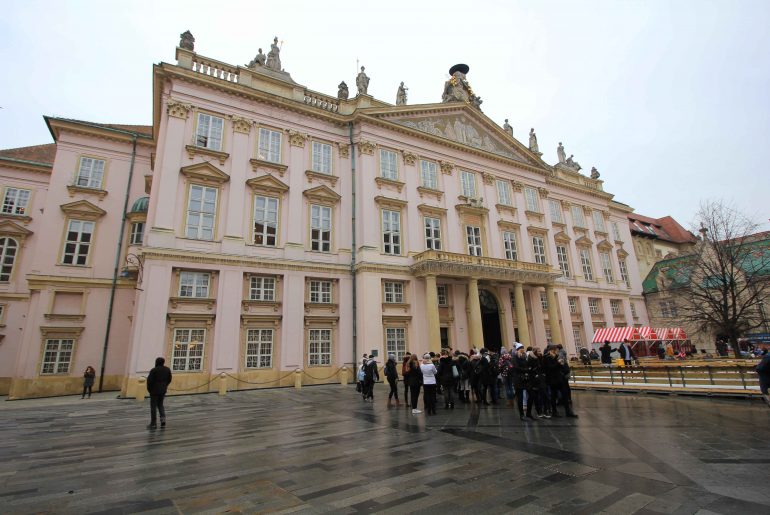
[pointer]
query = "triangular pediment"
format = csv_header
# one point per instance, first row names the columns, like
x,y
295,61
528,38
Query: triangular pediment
x,y
460,124
583,241
561,236
83,209
604,245
322,194
267,183
9,228
205,172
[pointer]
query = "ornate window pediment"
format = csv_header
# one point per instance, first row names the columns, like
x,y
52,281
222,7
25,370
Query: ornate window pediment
x,y
604,245
83,210
9,228
388,202
431,210
267,184
583,241
205,172
561,236
322,195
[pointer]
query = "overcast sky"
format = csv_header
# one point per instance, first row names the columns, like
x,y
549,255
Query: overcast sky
x,y
668,99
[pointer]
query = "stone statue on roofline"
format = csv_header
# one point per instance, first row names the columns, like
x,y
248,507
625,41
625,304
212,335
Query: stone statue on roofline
x,y
457,89
401,95
572,163
187,41
533,142
507,127
595,173
362,82
342,91
274,56
561,154
259,60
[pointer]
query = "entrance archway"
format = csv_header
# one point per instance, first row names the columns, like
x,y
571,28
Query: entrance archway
x,y
490,321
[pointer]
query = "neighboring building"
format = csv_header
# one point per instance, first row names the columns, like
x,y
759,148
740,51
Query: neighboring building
x,y
658,238
287,229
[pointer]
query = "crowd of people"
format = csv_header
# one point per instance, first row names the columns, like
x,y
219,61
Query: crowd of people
x,y
530,378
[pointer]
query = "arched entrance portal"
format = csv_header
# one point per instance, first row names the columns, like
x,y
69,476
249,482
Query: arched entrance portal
x,y
490,321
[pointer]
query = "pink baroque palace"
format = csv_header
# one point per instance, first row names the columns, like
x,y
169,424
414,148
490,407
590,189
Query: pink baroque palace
x,y
260,233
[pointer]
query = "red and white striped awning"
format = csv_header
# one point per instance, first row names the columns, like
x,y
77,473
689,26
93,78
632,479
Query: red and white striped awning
x,y
618,334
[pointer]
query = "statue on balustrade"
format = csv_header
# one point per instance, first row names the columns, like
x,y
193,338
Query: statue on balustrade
x,y
508,128
342,91
572,163
274,56
362,82
401,95
533,141
595,173
259,60
187,41
561,154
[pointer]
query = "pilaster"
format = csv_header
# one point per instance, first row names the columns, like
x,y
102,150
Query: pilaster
x,y
475,333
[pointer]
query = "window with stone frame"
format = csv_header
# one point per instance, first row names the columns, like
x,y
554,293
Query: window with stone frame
x,y
594,306
187,355
509,244
606,267
442,294
262,288
624,272
259,348
577,335
432,233
554,206
77,242
544,300
208,132
269,148
616,306
585,262
548,336
473,238
538,249
468,183
532,198
393,292
388,164
201,212
512,296
616,231
573,305
320,292
265,221
319,347
194,284
429,174
9,249
668,309
633,309
599,224
395,342
321,160
504,195
16,201
562,257
578,217
57,355
320,228
391,232
90,173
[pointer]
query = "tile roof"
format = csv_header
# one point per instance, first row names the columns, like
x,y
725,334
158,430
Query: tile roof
x,y
665,228
37,153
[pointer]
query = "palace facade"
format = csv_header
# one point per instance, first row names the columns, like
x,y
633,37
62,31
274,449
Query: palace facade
x,y
259,231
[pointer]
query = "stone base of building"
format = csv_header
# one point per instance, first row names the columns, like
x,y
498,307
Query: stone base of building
x,y
5,385
22,388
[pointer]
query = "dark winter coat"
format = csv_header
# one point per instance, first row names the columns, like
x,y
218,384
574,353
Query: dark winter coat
x,y
484,369
390,370
445,375
554,371
370,371
763,370
626,354
414,378
520,372
606,350
88,378
158,380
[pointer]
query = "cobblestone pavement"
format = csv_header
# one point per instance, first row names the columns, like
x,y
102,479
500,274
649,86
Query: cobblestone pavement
x,y
322,450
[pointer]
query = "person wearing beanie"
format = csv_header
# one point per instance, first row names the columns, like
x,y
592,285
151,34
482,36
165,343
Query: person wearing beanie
x,y
391,374
157,384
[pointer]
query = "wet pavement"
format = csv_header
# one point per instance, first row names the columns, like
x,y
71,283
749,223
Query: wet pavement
x,y
323,450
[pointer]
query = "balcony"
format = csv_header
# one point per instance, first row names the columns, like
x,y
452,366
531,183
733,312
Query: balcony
x,y
437,262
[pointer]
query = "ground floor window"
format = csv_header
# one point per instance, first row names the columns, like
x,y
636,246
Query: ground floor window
x,y
395,341
259,348
319,347
577,335
188,350
57,356
444,331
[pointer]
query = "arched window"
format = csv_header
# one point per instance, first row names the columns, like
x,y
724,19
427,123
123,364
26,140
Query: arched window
x,y
8,249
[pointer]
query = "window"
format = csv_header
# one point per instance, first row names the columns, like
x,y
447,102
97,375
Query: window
x,y
599,222
321,292
624,272
468,182
504,193
395,342
78,242
90,173
512,296
573,305
57,356
432,233
269,145
578,218
188,350
615,306
577,335
473,235
585,261
16,201
137,233
201,212
388,165
194,285
391,232
593,306
616,231
429,174
8,249
668,309
265,221
322,157
563,259
319,347
633,310
208,134
509,243
320,228
533,200
394,292
262,288
441,291
606,266
554,207
548,337
259,348
544,300
538,249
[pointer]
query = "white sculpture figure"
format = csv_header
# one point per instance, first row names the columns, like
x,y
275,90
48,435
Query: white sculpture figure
x,y
273,57
533,141
561,153
507,127
362,82
401,95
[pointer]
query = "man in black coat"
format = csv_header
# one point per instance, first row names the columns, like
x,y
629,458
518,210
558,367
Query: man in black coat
x,y
522,381
556,373
157,383
626,353
606,351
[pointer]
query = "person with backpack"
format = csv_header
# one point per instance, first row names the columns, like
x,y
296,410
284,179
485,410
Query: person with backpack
x,y
371,374
360,375
391,374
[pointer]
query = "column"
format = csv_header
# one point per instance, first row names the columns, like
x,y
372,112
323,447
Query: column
x,y
521,314
431,299
475,333
553,314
